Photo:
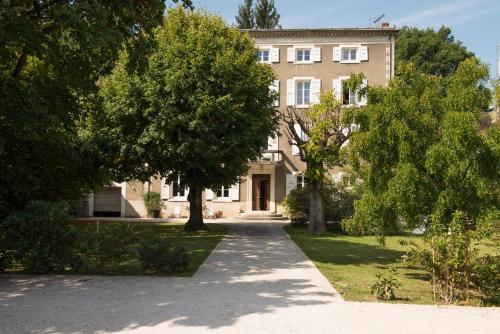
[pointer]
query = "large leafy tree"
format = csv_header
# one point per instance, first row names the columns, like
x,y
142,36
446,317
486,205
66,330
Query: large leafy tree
x,y
201,109
432,52
421,153
246,15
325,129
51,56
266,15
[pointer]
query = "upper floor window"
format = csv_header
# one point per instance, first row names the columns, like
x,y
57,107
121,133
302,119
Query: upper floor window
x,y
303,93
263,55
223,192
349,54
177,190
303,55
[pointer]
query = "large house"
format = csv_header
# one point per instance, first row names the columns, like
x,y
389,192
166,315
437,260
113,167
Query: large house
x,y
306,62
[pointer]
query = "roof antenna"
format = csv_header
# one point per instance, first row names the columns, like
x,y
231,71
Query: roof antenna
x,y
376,20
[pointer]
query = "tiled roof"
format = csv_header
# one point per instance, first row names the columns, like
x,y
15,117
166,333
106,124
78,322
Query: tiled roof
x,y
321,31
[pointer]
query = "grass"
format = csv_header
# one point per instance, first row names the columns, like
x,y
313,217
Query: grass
x,y
351,263
199,245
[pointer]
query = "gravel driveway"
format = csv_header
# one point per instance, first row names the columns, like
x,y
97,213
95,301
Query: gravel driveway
x,y
256,281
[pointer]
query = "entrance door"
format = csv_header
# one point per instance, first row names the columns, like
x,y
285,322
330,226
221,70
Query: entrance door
x,y
261,192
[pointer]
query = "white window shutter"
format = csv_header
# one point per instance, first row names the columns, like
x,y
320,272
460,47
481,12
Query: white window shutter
x,y
363,53
274,55
209,194
165,189
316,54
272,143
337,89
234,192
363,100
290,92
336,53
275,87
315,90
290,55
295,148
291,183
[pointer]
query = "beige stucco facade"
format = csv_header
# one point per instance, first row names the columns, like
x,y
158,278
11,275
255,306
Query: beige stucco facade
x,y
272,178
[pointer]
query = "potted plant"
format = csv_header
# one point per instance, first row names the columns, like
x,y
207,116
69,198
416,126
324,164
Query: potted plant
x,y
153,203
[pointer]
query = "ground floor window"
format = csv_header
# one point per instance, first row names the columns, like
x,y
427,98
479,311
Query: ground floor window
x,y
177,190
301,181
223,192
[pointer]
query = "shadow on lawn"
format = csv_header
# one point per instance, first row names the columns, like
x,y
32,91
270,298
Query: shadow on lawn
x,y
230,285
342,252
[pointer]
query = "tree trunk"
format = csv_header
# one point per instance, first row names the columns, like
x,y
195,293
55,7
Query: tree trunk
x,y
195,222
317,222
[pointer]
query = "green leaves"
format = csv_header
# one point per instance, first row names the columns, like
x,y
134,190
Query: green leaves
x,y
422,153
201,102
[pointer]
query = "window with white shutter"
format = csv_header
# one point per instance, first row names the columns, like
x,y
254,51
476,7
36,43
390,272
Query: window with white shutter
x,y
363,53
362,100
291,183
302,135
275,87
290,92
315,90
234,192
316,54
165,189
290,55
336,54
337,89
274,55
209,194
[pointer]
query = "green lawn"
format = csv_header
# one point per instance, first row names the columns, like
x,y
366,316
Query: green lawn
x,y
350,264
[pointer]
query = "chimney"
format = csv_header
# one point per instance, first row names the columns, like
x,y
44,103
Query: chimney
x,y
385,25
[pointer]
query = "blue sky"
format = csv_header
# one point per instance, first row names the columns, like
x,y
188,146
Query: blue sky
x,y
475,22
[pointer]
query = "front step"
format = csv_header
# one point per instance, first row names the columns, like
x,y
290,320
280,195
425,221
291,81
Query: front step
x,y
261,216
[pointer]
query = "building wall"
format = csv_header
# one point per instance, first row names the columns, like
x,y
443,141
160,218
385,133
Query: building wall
x,y
378,70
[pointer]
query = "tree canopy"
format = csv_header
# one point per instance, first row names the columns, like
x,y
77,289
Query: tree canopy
x,y
246,15
266,15
421,153
51,56
200,110
432,52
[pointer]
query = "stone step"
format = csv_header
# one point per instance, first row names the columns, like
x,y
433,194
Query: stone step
x,y
261,216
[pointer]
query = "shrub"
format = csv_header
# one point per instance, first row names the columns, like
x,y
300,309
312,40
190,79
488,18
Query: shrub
x,y
109,244
157,255
450,256
486,278
355,228
337,203
39,237
296,205
385,287
153,202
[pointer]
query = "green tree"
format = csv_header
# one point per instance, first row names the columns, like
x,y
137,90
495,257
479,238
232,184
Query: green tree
x,y
246,16
324,130
51,56
266,15
432,52
421,153
201,110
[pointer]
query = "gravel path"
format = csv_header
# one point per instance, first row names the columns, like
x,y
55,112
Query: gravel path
x,y
256,281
